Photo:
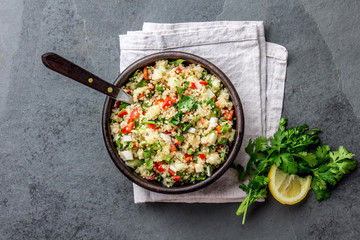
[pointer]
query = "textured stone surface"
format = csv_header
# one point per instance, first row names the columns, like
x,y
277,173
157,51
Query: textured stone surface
x,y
56,179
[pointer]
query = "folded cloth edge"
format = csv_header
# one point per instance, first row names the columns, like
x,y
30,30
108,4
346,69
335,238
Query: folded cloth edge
x,y
243,33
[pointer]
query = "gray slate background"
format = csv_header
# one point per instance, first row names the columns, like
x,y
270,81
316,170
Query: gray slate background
x,y
56,178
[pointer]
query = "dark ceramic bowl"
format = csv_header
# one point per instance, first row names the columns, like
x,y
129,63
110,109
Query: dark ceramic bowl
x,y
156,186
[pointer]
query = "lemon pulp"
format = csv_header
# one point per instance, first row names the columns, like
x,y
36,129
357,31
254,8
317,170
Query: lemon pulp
x,y
286,188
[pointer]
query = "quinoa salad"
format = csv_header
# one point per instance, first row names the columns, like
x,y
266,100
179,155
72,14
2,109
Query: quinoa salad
x,y
179,129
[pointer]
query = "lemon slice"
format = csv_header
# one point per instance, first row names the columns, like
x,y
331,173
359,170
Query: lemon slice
x,y
286,188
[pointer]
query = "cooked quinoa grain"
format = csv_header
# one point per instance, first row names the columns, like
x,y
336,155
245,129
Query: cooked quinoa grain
x,y
180,125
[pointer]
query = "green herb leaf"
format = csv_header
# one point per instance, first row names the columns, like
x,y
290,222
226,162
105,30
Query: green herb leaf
x,y
203,74
223,141
180,138
211,147
168,159
288,164
142,83
118,143
187,103
144,121
180,91
224,128
160,88
240,170
310,158
132,78
177,62
175,122
123,105
209,82
149,163
186,85
147,154
197,119
186,126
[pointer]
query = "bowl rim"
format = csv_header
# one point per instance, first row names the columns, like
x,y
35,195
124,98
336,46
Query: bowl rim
x,y
239,123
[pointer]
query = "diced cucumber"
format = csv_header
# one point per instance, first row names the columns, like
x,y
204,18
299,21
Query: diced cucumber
x,y
133,163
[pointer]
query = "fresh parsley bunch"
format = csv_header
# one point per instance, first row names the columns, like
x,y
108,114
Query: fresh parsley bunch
x,y
294,151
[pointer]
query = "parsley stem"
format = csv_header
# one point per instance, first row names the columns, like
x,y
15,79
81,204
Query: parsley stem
x,y
246,207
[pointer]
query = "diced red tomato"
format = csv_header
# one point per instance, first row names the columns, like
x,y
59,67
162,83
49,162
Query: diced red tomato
x,y
117,103
129,127
202,121
128,91
158,101
203,82
145,73
202,156
218,129
156,165
164,84
193,165
178,70
173,148
168,102
177,142
152,126
188,157
171,172
135,144
123,113
141,95
143,112
161,168
217,105
134,114
228,115
176,178
193,85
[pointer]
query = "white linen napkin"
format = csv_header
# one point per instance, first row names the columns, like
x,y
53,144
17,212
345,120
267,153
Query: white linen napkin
x,y
257,70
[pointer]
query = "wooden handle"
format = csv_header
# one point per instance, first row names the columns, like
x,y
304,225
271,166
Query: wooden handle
x,y
71,70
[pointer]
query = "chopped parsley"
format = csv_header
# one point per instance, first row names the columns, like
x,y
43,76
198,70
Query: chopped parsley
x,y
180,138
142,83
224,128
187,103
177,62
132,78
186,84
149,164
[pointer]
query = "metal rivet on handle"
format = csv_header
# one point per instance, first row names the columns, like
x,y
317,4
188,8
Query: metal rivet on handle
x,y
109,89
90,80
